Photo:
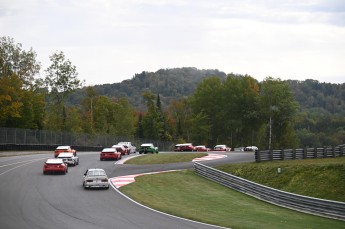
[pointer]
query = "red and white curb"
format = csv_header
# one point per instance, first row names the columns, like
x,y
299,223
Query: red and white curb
x,y
124,180
210,157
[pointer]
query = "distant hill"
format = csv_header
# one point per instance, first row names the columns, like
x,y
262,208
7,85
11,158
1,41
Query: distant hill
x,y
176,83
314,96
170,84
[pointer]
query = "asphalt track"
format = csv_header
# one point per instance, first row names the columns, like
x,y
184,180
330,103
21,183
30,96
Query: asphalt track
x,y
32,200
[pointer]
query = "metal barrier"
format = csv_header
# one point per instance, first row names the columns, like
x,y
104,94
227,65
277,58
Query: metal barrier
x,y
293,154
19,147
315,206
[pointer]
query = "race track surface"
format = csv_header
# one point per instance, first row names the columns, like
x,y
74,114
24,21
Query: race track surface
x,y
32,200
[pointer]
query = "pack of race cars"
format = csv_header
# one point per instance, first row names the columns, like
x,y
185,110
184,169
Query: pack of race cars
x,y
65,156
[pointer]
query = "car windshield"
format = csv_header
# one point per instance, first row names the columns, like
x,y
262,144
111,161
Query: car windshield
x,y
147,145
54,161
65,155
108,150
96,173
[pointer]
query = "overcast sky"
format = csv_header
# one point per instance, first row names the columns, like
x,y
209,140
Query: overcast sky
x,y
111,40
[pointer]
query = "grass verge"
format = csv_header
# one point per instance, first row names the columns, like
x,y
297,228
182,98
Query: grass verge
x,y
320,178
164,158
188,195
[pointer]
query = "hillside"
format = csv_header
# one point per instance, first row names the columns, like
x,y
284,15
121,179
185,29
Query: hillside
x,y
173,84
319,97
170,84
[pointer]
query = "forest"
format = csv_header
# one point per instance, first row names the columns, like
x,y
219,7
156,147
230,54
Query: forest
x,y
181,104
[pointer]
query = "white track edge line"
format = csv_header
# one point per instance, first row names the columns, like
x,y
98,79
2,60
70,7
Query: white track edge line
x,y
163,213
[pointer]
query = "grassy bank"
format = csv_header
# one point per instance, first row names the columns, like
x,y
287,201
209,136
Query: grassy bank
x,y
320,178
187,195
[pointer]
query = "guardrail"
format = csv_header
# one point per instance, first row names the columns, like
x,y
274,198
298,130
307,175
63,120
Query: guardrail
x,y
292,154
315,206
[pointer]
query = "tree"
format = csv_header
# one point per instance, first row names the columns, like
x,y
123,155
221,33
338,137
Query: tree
x,y
14,60
200,128
115,117
10,99
279,110
102,113
74,123
21,100
88,105
151,121
19,107
228,108
163,122
124,118
242,118
61,79
181,117
208,100
140,129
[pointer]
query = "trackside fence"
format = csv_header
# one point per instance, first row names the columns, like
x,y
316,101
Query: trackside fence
x,y
293,154
315,206
26,139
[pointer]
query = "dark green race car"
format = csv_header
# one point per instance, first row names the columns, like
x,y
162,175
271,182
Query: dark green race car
x,y
148,148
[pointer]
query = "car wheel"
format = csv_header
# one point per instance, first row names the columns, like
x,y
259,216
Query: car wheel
x,y
44,173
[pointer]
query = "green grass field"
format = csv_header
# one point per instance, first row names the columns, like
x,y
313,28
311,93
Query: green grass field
x,y
320,178
164,158
187,195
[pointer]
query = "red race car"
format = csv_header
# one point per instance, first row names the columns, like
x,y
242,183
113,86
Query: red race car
x,y
67,149
110,154
202,148
55,166
122,149
184,147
